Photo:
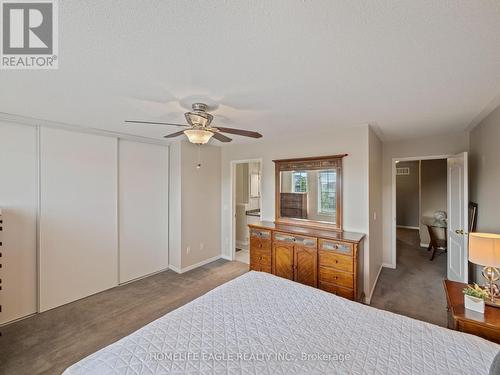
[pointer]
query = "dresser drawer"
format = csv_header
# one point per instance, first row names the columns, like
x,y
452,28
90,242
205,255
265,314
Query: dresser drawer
x,y
260,233
336,246
260,244
260,260
337,290
337,261
492,334
305,241
340,278
262,256
284,237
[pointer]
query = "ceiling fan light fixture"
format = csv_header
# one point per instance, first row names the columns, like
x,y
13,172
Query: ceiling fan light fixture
x,y
199,118
198,136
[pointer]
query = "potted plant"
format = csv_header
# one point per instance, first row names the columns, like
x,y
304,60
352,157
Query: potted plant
x,y
474,297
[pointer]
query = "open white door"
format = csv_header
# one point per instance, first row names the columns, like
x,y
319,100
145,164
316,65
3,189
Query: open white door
x,y
458,220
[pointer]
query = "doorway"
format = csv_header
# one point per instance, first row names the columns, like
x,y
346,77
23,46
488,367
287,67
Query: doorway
x,y
246,205
421,215
442,208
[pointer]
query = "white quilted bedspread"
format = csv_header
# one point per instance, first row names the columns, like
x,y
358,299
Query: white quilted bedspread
x,y
262,324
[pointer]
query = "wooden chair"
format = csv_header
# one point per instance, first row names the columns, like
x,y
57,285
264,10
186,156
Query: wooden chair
x,y
436,243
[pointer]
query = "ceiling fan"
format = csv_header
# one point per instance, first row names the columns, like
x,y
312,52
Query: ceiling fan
x,y
200,131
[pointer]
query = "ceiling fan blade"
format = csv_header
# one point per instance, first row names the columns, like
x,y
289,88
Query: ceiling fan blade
x,y
221,137
245,133
173,135
154,123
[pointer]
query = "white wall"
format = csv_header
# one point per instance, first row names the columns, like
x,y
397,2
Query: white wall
x,y
194,205
375,211
143,209
353,141
485,175
175,207
432,146
78,216
201,203
18,200
408,195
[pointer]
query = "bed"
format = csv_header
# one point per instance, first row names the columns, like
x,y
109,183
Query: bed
x,y
262,324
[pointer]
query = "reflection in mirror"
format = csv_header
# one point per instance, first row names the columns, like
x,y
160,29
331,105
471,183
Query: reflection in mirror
x,y
309,195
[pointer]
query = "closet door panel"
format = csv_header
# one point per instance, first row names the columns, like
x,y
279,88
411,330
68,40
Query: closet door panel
x,y
18,200
78,216
143,209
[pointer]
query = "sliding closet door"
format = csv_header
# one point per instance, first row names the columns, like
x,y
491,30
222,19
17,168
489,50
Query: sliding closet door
x,y
18,200
78,216
143,209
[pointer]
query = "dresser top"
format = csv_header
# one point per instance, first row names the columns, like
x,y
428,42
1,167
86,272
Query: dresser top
x,y
328,234
455,296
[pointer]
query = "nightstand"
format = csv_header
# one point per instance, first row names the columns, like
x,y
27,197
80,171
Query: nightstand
x,y
485,325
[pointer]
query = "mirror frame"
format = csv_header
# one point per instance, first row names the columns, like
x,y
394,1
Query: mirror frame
x,y
309,163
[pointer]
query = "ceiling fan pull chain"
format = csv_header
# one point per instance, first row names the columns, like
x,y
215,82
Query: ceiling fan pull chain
x,y
198,166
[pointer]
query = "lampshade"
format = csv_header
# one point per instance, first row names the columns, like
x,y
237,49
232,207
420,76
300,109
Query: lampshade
x,y
198,136
484,249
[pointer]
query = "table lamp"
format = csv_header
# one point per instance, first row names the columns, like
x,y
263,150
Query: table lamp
x,y
484,249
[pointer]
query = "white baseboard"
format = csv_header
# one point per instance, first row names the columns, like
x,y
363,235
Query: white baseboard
x,y
143,277
389,265
196,265
407,227
424,245
174,268
369,298
226,257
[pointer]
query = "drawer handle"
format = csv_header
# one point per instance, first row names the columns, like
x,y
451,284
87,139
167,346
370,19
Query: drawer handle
x,y
260,245
336,277
336,261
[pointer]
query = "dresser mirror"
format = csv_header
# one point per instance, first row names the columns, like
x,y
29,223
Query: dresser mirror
x,y
309,192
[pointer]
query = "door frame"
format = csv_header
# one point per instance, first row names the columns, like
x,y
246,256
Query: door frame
x,y
393,262
232,199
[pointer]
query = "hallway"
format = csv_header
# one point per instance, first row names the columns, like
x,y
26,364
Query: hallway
x,y
415,287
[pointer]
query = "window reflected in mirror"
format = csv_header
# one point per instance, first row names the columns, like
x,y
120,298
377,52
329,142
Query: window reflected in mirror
x,y
309,195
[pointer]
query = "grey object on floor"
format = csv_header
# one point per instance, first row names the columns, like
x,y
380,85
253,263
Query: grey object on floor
x,y
48,343
415,287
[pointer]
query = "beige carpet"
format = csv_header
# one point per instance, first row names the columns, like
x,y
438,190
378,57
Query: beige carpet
x,y
415,287
50,342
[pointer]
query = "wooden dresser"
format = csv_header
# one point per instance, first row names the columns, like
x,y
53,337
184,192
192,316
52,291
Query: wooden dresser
x,y
329,260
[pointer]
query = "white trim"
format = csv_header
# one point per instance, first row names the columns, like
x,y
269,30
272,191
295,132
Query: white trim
x,y
232,200
393,196
426,245
32,121
196,265
38,209
369,298
18,319
141,277
224,256
389,265
407,227
174,268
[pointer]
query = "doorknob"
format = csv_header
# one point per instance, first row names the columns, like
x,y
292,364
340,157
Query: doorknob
x,y
459,231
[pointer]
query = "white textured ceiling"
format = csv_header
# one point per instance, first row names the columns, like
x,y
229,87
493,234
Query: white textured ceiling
x,y
414,68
